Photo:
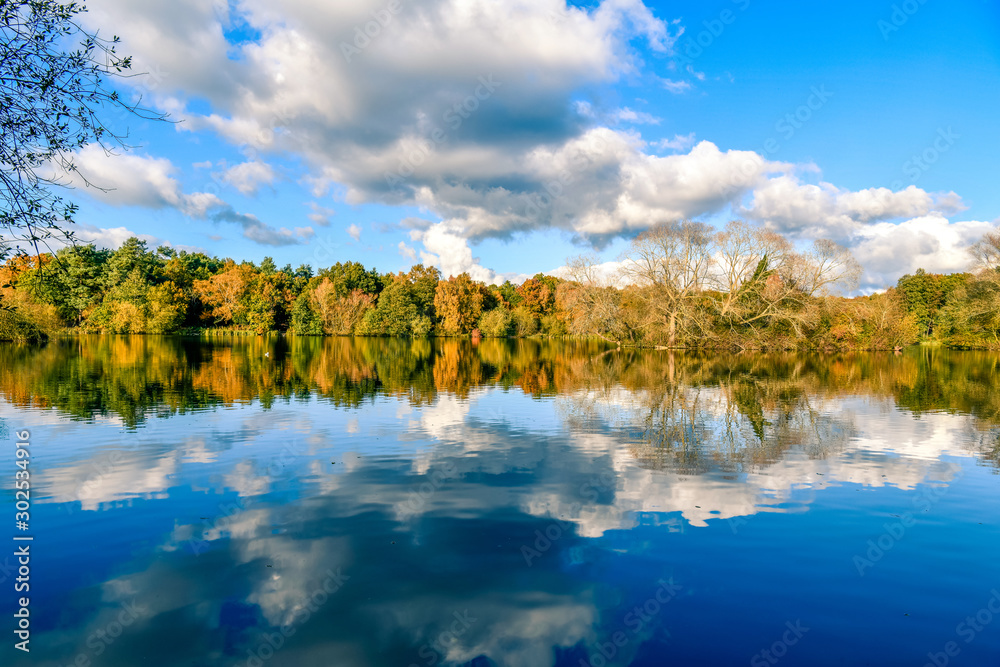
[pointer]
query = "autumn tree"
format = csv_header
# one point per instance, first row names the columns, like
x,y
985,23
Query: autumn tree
x,y
537,296
592,303
74,282
459,304
740,249
423,281
396,310
223,293
349,276
339,315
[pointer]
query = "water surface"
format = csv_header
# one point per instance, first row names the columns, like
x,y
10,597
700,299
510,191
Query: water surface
x,y
318,502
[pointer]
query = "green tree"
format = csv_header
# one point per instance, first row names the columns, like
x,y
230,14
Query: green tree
x,y
925,294
396,309
132,256
424,282
305,321
76,284
351,276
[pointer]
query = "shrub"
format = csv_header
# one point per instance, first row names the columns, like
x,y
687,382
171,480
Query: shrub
x,y
553,326
496,323
421,326
17,328
524,323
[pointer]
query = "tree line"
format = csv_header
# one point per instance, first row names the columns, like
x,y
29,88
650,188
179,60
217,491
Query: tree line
x,y
679,285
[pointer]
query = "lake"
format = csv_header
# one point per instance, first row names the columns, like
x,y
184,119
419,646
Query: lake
x,y
321,502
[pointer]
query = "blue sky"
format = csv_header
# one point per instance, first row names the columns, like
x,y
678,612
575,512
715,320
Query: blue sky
x,y
300,138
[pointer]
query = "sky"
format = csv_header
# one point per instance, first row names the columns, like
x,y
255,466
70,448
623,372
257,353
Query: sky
x,y
501,137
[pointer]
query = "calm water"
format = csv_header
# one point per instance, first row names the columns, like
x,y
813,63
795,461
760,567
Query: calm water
x,y
381,502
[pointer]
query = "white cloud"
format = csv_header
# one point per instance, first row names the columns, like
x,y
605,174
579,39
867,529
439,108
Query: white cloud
x,y
627,115
680,142
407,252
320,215
676,87
112,238
139,180
450,252
888,251
822,210
247,177
354,232
517,148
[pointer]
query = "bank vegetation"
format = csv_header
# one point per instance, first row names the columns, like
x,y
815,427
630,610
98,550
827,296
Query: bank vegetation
x,y
679,285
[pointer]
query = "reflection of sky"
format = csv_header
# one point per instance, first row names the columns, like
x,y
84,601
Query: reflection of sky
x,y
220,526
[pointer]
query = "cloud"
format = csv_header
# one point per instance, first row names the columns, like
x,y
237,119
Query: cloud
x,y
824,210
128,179
474,112
258,232
889,251
676,87
320,215
407,252
678,143
449,251
627,115
139,180
247,177
112,238
354,232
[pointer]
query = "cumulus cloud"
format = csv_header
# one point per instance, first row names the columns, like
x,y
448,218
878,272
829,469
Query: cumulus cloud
x,y
354,232
247,177
320,215
407,252
824,210
472,111
447,249
139,180
889,251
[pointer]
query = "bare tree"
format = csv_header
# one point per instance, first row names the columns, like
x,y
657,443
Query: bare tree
x,y
828,264
986,251
740,249
594,299
671,263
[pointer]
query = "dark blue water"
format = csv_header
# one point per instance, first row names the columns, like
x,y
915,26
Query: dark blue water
x,y
662,517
